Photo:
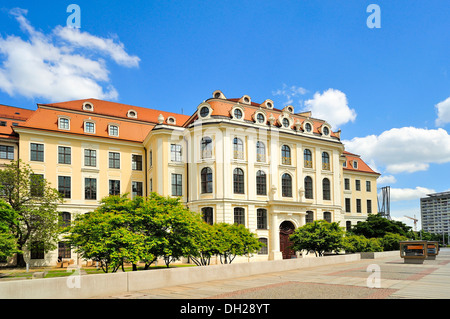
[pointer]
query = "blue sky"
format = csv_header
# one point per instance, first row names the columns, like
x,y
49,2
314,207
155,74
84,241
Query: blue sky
x,y
383,87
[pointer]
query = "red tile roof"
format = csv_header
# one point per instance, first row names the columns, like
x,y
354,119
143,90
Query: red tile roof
x,y
222,107
362,166
10,115
119,110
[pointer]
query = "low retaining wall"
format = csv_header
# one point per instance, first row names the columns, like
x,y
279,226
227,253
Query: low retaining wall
x,y
381,254
88,286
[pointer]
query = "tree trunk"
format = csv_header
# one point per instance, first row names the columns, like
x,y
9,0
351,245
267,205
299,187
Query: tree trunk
x,y
20,261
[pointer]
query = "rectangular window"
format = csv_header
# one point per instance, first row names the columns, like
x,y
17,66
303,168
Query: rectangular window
x,y
175,153
64,123
113,130
6,152
89,127
64,186
37,185
114,160
261,218
64,155
150,157
90,188
347,183
136,189
90,158
358,185
347,205
37,152
368,186
114,187
369,206
177,189
136,162
64,250
358,206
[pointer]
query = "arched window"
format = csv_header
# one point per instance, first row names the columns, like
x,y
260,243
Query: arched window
x,y
285,155
207,215
260,152
261,218
307,158
286,185
261,183
239,216
238,148
238,181
206,147
309,216
206,180
325,161
308,187
327,216
264,248
326,189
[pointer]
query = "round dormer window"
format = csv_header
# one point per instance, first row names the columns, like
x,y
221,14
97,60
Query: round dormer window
x,y
217,95
269,105
286,122
325,130
204,111
237,113
246,99
260,118
308,127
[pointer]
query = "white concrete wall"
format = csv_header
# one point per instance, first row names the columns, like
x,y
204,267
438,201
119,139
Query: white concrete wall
x,y
87,286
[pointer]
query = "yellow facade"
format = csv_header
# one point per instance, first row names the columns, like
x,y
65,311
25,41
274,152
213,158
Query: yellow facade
x,y
258,166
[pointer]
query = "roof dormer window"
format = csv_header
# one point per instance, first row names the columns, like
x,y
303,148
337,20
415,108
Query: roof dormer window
x,y
237,112
89,127
113,130
64,123
355,164
171,120
132,114
87,106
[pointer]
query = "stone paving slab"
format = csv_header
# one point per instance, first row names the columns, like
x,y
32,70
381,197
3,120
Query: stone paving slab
x,y
349,281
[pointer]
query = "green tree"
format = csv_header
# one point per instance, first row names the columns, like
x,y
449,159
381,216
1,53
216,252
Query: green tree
x,y
8,244
319,236
206,245
390,241
377,226
106,236
234,240
358,243
34,203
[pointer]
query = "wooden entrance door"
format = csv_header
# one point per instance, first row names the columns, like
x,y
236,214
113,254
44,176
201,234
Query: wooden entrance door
x,y
286,229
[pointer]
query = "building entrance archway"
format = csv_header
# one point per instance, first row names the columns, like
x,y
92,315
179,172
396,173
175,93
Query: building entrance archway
x,y
286,229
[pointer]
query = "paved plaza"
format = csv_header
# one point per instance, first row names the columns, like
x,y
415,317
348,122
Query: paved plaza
x,y
381,278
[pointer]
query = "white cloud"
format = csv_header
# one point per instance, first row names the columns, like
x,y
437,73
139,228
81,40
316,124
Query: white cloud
x,y
406,149
331,106
50,67
399,194
85,40
386,179
290,93
443,111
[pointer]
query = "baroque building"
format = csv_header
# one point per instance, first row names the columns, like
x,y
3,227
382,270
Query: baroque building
x,y
232,160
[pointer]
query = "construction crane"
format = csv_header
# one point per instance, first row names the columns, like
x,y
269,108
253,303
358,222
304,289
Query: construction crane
x,y
415,221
